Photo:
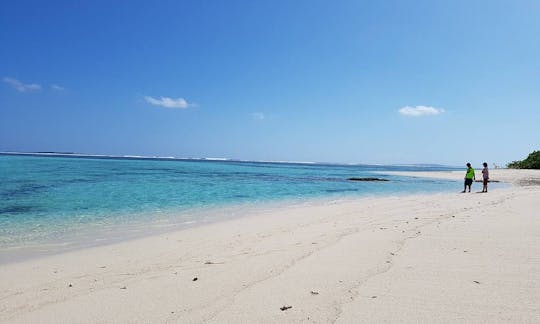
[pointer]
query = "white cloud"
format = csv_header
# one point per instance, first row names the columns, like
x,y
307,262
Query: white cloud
x,y
21,87
420,111
178,103
257,116
57,87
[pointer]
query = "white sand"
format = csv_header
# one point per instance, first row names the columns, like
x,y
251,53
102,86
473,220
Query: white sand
x,y
431,258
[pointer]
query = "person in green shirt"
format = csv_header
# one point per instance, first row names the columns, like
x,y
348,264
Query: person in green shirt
x,y
469,178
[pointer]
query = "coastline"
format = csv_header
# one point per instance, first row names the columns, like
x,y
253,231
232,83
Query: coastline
x,y
54,204
516,177
169,222
421,258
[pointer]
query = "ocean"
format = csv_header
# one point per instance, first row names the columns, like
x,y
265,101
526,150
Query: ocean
x,y
50,203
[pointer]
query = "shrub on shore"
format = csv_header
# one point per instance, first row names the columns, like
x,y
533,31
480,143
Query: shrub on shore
x,y
531,162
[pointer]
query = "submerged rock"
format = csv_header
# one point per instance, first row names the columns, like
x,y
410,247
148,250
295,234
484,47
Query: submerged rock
x,y
367,179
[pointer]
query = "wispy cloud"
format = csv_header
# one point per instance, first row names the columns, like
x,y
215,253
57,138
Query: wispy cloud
x,y
22,87
57,87
420,111
257,116
178,103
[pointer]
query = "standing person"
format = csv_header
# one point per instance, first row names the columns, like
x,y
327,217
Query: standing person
x,y
469,178
485,176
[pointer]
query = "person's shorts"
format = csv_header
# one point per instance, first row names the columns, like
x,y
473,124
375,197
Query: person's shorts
x,y
468,182
486,182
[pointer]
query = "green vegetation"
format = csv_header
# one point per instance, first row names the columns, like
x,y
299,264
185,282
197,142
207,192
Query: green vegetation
x,y
531,162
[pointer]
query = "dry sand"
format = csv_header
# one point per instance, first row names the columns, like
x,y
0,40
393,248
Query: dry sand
x,y
425,258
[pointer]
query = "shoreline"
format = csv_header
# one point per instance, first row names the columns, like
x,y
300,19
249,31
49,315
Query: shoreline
x,y
172,221
442,257
122,233
48,210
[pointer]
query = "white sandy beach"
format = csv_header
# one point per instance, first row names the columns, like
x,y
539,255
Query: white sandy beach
x,y
445,258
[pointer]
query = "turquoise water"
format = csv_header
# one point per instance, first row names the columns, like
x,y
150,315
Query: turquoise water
x,y
45,198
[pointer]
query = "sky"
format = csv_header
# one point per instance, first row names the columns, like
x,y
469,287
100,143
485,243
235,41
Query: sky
x,y
389,82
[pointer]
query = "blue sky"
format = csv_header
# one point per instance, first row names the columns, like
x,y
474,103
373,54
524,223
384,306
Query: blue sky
x,y
329,81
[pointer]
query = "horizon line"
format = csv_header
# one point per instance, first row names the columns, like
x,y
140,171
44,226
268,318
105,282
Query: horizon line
x,y
214,159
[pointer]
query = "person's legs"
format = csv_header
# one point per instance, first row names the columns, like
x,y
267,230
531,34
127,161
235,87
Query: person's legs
x,y
468,183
